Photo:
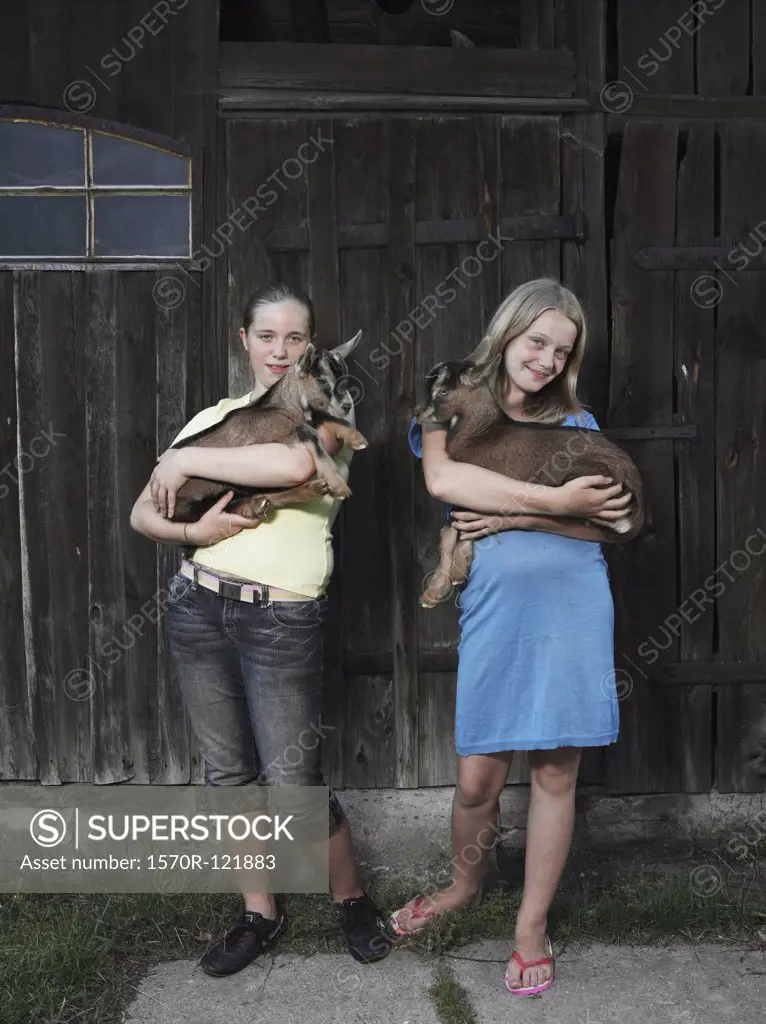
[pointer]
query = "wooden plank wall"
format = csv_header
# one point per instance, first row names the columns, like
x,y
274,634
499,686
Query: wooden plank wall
x,y
389,699
694,377
92,360
457,165
100,706
18,757
693,174
373,741
671,362
484,22
740,415
163,81
641,392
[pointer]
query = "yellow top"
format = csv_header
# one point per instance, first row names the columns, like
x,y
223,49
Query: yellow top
x,y
292,551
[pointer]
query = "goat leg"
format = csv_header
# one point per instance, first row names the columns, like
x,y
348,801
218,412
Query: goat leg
x,y
347,435
462,556
439,585
263,506
256,506
326,469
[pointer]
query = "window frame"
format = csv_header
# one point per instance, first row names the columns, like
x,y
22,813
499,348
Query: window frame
x,y
88,126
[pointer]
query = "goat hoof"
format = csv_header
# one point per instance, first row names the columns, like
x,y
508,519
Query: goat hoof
x,y
621,525
319,487
263,510
438,589
340,492
356,441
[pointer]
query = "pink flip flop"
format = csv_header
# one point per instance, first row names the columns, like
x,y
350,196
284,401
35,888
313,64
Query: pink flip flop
x,y
535,989
426,916
414,906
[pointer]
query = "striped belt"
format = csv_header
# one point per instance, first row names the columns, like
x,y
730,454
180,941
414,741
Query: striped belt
x,y
254,593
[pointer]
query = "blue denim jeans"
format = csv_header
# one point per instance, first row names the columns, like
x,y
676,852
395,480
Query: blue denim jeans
x,y
251,681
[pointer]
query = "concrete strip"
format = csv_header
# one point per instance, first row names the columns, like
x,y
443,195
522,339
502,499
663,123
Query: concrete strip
x,y
600,984
603,984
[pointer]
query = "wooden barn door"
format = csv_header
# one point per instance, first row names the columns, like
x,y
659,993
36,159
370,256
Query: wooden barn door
x,y
687,360
412,229
97,375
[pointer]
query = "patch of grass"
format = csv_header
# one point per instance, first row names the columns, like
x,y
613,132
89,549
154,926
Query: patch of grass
x,y
77,959
451,1000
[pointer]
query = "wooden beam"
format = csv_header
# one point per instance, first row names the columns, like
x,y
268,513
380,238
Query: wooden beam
x,y
439,232
322,232
691,673
649,107
310,22
680,433
698,257
239,101
396,69
709,673
399,264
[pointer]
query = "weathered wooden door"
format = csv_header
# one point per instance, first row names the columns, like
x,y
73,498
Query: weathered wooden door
x,y
412,229
97,376
687,358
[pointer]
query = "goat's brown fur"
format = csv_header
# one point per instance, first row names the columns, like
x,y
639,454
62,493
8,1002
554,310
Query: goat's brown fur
x,y
311,392
480,432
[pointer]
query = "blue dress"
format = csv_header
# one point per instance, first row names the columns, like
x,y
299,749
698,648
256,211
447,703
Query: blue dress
x,y
536,650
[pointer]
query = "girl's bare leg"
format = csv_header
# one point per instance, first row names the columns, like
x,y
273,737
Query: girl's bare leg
x,y
549,834
475,819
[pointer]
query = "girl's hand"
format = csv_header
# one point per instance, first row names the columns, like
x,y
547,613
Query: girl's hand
x,y
168,477
218,525
589,497
473,525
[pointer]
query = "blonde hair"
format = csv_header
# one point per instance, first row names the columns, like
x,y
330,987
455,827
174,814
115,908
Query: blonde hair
x,y
515,315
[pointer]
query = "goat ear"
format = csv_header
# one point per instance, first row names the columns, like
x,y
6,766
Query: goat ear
x,y
347,347
306,358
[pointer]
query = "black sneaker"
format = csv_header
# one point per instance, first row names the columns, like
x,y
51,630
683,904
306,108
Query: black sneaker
x,y
364,929
249,937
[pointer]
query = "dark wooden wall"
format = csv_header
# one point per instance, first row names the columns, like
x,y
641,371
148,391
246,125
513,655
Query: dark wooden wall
x,y
392,208
484,22
636,195
90,356
651,185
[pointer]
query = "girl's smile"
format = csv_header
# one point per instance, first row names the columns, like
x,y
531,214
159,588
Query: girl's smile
x,y
537,356
277,337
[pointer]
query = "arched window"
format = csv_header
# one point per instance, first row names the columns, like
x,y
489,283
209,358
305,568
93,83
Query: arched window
x,y
72,192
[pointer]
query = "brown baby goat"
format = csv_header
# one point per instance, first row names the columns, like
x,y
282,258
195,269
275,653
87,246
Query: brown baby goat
x,y
309,393
480,432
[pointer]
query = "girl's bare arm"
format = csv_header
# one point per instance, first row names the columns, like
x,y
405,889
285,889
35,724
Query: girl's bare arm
x,y
483,490
567,527
252,465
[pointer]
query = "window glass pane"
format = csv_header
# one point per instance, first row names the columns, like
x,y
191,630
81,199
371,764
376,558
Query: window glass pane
x,y
121,162
141,225
40,154
42,225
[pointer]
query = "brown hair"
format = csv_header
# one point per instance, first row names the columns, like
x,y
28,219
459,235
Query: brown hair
x,y
270,294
